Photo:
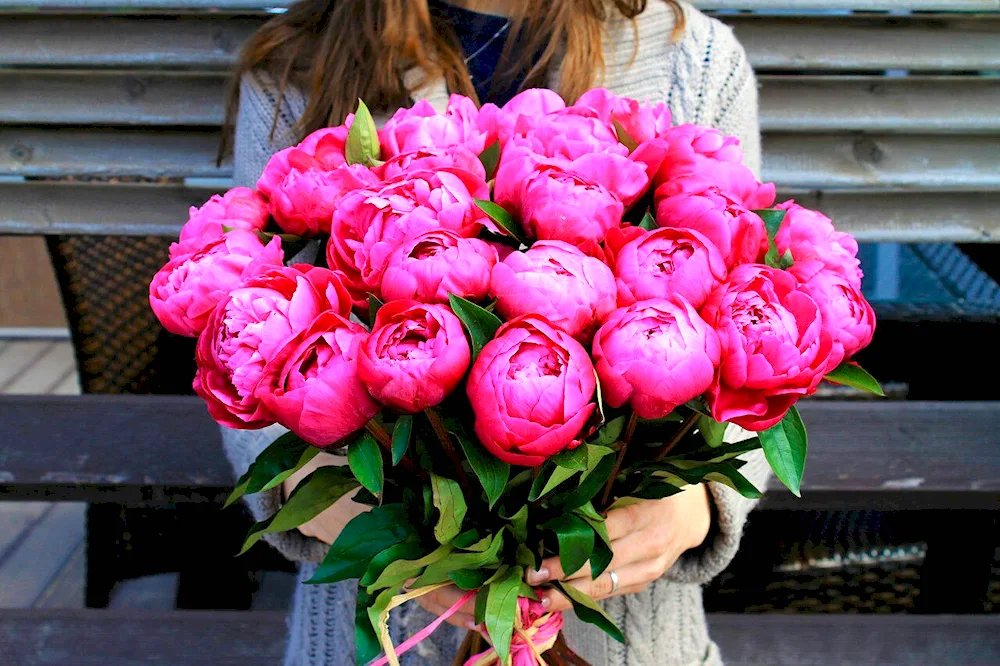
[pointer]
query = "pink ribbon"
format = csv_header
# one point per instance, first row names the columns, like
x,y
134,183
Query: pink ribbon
x,y
535,631
428,630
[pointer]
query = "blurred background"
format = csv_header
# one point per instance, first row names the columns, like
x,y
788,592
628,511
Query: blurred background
x,y
882,114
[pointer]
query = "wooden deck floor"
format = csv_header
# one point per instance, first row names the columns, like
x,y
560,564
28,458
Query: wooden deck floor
x,y
42,544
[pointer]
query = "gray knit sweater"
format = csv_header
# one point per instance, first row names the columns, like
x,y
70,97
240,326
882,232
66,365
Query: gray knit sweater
x,y
705,78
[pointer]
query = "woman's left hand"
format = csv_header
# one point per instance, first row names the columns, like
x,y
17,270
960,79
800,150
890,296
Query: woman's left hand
x,y
646,538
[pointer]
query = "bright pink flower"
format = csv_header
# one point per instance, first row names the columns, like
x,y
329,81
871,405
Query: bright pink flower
x,y
186,290
655,355
557,281
239,208
532,391
323,150
437,263
306,200
643,122
521,110
432,159
815,245
846,314
248,329
686,149
312,385
416,355
421,127
720,209
665,263
775,347
369,225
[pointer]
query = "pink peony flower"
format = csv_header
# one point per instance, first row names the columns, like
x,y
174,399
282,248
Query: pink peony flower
x,y
846,314
304,183
416,355
421,127
521,111
312,385
687,149
775,347
239,208
815,245
532,391
643,122
186,290
655,355
665,263
369,225
249,328
557,281
437,263
431,159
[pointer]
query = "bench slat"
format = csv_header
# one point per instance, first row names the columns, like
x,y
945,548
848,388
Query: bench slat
x,y
212,41
793,161
942,105
224,638
141,210
862,454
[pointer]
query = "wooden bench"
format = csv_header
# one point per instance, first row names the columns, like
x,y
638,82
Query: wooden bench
x,y
884,118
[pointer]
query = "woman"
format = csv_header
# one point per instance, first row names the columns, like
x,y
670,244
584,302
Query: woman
x,y
307,68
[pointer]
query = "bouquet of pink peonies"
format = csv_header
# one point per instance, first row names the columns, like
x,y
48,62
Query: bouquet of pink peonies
x,y
512,319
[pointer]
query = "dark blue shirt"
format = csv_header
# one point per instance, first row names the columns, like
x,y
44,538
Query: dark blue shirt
x,y
482,38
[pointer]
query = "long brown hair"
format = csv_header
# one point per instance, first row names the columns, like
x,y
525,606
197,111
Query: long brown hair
x,y
337,51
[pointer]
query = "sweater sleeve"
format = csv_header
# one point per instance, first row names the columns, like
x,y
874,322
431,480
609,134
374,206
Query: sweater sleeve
x,y
254,144
730,105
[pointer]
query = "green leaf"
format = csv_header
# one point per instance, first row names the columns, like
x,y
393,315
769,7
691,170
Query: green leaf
x,y
600,559
610,432
711,430
316,492
730,476
479,614
362,539
401,437
407,550
786,261
439,571
587,610
504,221
708,454
590,485
481,324
648,222
374,305
785,447
366,645
572,458
362,145
490,470
595,453
282,458
852,374
450,503
558,475
624,137
519,524
772,222
501,606
490,157
469,579
576,541
365,459
469,540
398,572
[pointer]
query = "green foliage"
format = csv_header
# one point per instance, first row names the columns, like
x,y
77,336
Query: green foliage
x,y
785,446
490,157
315,493
282,458
365,459
366,645
481,324
374,305
362,145
587,610
648,222
401,437
610,432
406,550
852,374
484,559
504,221
397,572
362,539
501,607
590,484
711,430
772,222
450,503
576,540
490,470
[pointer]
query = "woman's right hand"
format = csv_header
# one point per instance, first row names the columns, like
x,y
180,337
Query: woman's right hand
x,y
328,525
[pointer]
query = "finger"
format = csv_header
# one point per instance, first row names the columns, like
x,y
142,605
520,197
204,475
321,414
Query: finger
x,y
554,600
632,548
627,520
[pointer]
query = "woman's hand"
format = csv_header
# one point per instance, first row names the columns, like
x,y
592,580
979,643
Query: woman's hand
x,y
647,538
328,525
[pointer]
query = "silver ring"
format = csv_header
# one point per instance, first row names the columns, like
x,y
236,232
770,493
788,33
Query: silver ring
x,y
614,581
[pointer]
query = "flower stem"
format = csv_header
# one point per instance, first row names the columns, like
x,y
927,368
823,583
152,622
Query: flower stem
x,y
449,448
626,437
678,436
376,430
